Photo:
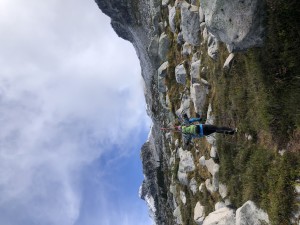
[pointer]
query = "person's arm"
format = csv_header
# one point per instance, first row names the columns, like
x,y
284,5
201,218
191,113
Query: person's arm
x,y
191,120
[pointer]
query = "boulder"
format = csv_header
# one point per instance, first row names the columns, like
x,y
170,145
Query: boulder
x,y
172,18
219,205
202,161
180,74
201,187
213,169
250,214
163,47
185,105
164,3
153,46
209,116
209,186
186,49
222,216
162,88
162,70
223,190
186,164
195,71
205,34
202,27
183,197
198,95
238,23
177,215
199,213
210,164
195,57
190,24
180,39
193,186
213,152
213,46
228,61
161,26
201,15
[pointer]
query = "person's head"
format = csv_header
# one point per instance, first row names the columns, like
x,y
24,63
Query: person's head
x,y
178,128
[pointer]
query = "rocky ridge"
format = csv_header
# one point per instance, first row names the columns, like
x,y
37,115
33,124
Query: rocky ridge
x,y
151,26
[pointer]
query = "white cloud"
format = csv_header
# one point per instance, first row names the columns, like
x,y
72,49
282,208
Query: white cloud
x,y
69,89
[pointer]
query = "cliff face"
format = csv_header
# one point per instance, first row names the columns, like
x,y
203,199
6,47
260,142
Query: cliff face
x,y
137,22
187,50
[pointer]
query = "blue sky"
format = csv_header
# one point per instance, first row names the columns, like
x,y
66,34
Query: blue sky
x,y
72,116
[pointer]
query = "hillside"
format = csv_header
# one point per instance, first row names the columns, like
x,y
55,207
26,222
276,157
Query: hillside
x,y
237,65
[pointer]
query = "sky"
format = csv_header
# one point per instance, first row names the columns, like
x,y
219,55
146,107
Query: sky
x,y
73,117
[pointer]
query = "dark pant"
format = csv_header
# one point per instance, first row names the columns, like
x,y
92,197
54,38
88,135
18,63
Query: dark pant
x,y
209,129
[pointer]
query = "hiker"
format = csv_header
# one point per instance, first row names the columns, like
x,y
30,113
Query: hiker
x,y
190,130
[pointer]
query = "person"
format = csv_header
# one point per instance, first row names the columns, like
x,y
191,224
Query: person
x,y
190,130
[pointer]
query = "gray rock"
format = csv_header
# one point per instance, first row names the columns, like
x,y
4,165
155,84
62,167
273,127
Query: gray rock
x,y
161,26
219,205
180,74
173,189
199,213
153,47
181,3
202,26
209,186
213,46
250,214
222,216
199,94
194,2
213,152
209,116
213,169
193,186
186,49
185,105
163,47
227,202
201,15
210,164
190,25
183,197
180,39
202,161
172,18
223,190
195,71
186,164
195,57
228,61
201,187
162,88
164,3
205,34
238,23
177,215
162,70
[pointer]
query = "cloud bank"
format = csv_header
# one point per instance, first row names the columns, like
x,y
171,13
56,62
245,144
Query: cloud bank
x,y
70,94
